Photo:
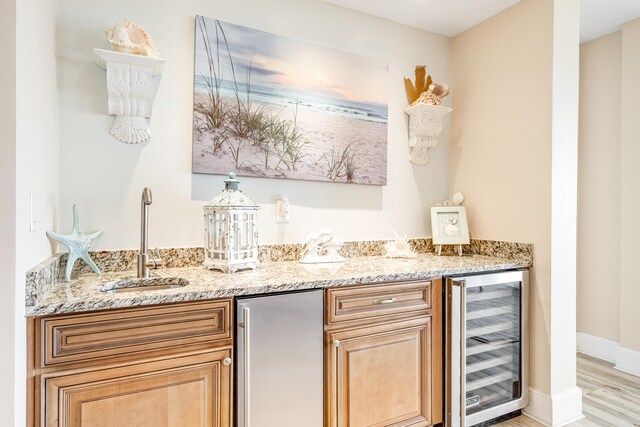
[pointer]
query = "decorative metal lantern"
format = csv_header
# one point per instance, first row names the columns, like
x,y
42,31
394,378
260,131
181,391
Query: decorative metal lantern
x,y
231,230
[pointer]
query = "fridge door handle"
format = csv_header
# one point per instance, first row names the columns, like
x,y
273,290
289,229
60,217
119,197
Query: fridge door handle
x,y
463,350
496,343
247,364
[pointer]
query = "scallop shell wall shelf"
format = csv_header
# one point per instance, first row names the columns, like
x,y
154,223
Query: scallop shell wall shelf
x,y
425,124
132,83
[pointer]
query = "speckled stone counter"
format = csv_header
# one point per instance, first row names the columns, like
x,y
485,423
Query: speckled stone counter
x,y
83,293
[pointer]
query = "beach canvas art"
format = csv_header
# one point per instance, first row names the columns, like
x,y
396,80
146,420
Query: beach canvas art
x,y
270,106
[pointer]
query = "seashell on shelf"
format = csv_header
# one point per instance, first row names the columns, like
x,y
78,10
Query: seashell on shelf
x,y
434,95
439,89
130,37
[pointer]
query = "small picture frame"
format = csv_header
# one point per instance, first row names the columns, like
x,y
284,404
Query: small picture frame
x,y
449,225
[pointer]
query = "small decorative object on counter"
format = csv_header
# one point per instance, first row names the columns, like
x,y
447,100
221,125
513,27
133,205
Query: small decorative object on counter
x,y
133,76
231,230
449,224
78,243
399,248
425,114
321,247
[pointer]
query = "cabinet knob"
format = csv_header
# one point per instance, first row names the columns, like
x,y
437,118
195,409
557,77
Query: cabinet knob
x,y
227,361
336,343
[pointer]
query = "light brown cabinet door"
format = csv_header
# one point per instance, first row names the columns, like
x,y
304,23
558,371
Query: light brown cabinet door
x,y
188,391
380,375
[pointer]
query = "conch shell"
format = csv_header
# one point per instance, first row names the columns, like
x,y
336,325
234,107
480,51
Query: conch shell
x,y
399,248
130,37
434,95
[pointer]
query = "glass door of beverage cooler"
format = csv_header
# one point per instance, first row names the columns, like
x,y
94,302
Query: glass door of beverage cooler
x,y
486,363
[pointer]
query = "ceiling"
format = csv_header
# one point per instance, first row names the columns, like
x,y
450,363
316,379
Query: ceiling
x,y
600,17
451,17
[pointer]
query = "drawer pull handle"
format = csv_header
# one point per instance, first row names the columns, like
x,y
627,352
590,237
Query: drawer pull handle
x,y
384,301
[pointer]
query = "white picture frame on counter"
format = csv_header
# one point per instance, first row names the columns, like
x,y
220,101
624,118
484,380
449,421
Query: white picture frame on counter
x,y
449,225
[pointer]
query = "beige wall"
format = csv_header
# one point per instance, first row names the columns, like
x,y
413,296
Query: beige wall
x,y
7,207
609,231
110,200
599,187
501,144
514,129
629,193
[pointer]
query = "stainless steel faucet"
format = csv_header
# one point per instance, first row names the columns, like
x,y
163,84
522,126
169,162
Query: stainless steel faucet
x,y
144,261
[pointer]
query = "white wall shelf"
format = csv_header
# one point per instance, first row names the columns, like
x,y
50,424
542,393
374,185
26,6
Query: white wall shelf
x,y
132,83
425,124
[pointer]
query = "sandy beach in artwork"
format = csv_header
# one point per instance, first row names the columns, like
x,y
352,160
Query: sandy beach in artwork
x,y
328,135
269,106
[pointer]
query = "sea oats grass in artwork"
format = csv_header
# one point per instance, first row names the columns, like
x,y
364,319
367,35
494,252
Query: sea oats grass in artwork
x,y
269,106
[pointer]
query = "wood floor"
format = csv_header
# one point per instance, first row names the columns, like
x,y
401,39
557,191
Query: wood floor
x,y
609,397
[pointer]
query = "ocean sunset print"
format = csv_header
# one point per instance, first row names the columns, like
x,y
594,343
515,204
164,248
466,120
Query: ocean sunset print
x,y
268,106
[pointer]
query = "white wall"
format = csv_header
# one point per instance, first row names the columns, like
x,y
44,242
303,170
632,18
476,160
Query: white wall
x,y
514,155
7,207
36,158
564,205
599,183
105,177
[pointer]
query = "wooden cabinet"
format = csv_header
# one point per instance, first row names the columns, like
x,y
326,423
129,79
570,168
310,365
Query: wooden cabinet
x,y
97,336
171,365
386,368
190,391
367,302
165,366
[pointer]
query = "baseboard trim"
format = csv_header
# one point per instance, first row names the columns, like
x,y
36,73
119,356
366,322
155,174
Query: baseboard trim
x,y
539,407
628,361
624,359
555,411
567,407
601,348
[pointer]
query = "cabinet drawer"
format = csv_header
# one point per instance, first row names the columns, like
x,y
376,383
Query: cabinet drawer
x,y
83,337
362,302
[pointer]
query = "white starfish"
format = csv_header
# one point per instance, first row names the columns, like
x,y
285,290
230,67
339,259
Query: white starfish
x,y
78,244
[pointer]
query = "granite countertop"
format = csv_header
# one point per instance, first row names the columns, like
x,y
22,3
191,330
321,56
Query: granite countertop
x,y
83,293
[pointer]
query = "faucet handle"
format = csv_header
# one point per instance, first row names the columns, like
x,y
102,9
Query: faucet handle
x,y
157,260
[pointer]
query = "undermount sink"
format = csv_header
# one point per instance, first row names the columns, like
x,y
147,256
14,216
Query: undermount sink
x,y
143,285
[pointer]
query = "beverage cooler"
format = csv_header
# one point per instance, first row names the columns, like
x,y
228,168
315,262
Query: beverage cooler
x,y
486,347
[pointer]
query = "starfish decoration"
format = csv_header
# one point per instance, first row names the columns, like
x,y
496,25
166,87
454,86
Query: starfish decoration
x,y
78,244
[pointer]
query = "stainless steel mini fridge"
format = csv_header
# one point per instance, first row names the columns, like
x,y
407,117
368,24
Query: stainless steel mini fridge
x,y
280,360
486,365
